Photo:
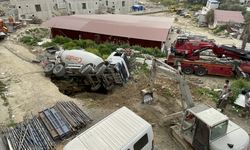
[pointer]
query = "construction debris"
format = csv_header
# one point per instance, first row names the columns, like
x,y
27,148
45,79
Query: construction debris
x,y
64,119
29,135
50,126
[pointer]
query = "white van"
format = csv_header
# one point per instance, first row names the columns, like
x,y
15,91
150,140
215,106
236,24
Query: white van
x,y
122,130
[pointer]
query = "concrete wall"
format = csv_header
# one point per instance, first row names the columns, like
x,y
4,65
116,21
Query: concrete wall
x,y
49,8
76,6
27,8
93,6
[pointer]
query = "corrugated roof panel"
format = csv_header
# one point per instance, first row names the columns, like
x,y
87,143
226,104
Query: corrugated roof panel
x,y
138,27
113,132
228,16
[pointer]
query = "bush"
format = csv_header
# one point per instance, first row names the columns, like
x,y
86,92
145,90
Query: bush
x,y
49,44
102,50
81,43
94,51
106,48
195,7
90,43
70,45
32,41
237,86
219,29
61,40
208,93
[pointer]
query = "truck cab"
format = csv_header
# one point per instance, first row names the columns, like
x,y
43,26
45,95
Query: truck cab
x,y
206,128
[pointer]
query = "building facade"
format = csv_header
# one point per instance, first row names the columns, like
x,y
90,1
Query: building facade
x,y
99,6
45,9
29,8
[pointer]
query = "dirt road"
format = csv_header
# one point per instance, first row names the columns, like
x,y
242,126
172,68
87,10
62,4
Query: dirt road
x,y
189,26
28,89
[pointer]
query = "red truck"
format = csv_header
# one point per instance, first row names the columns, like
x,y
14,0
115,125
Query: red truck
x,y
188,53
191,49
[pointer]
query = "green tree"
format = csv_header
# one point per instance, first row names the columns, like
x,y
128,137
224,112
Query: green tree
x,y
210,17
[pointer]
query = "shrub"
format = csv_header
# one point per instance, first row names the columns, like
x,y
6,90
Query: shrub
x,y
32,41
61,40
195,7
105,49
237,86
81,43
102,50
208,93
94,51
90,43
219,29
70,45
49,44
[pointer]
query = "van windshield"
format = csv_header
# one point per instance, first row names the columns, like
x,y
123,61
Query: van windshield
x,y
219,130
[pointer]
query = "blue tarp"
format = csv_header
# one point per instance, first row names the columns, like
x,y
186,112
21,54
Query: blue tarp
x,y
137,8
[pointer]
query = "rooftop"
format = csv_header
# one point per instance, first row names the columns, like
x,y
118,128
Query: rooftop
x,y
129,26
211,117
228,16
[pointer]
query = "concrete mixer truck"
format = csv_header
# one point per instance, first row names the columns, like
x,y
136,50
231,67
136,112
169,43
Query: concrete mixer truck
x,y
86,70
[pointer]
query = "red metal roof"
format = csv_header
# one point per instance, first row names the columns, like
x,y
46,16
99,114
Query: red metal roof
x,y
138,27
228,16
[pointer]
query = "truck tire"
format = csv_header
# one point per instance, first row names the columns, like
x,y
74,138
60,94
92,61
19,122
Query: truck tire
x,y
96,87
59,70
188,70
100,69
87,69
108,87
48,69
200,71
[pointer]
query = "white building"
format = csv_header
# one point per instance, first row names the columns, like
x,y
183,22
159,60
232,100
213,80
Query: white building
x,y
98,6
82,6
28,8
45,9
212,4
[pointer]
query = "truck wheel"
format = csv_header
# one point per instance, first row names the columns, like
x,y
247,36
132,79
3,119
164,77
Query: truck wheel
x,y
87,69
59,70
188,70
48,69
200,71
109,87
100,69
96,87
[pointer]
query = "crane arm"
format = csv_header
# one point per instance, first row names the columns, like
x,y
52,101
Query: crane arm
x,y
186,96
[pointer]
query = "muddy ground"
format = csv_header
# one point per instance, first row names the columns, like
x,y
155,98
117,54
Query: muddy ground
x,y
29,91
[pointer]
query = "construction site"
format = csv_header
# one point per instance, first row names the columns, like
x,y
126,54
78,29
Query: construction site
x,y
69,84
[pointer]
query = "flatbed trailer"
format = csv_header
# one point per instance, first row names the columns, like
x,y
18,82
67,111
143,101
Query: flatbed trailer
x,y
209,67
